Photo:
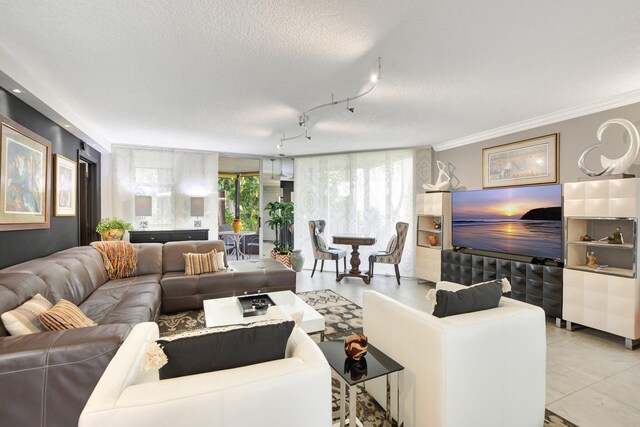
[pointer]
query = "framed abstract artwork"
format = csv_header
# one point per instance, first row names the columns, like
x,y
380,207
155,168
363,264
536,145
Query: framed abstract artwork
x,y
530,162
25,178
65,173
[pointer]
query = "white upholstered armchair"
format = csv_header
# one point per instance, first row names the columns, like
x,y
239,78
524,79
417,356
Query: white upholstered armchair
x,y
481,369
294,391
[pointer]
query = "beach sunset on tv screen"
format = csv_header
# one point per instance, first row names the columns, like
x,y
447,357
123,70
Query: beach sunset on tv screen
x,y
519,220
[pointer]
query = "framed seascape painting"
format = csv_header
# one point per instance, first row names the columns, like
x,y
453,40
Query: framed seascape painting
x,y
530,162
65,173
25,178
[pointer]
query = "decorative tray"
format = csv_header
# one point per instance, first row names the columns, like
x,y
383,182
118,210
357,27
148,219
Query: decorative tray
x,y
255,305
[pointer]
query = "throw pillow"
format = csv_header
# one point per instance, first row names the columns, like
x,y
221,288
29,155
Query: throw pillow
x,y
65,315
474,298
322,243
23,320
215,349
195,263
392,244
220,260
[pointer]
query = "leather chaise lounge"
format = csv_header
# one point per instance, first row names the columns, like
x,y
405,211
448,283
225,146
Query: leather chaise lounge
x,y
46,378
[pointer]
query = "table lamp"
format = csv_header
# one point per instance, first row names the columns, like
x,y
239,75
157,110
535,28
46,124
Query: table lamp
x,y
197,210
143,209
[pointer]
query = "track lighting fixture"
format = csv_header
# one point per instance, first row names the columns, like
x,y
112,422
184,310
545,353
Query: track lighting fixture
x,y
349,108
303,119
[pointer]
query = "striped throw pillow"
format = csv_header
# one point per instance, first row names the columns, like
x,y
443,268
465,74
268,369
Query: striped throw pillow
x,y
65,315
23,320
201,263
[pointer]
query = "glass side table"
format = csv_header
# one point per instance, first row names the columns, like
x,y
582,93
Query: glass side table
x,y
374,364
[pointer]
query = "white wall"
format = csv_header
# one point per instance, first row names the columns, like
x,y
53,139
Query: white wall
x,y
575,135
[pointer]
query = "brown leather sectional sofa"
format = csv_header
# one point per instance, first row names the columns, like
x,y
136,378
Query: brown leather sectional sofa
x,y
46,378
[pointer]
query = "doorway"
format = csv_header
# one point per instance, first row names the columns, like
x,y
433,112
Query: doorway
x,y
87,201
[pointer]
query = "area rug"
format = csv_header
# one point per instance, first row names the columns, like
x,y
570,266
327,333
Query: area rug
x,y
342,318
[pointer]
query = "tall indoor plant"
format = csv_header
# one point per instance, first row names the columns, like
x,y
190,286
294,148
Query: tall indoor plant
x,y
281,218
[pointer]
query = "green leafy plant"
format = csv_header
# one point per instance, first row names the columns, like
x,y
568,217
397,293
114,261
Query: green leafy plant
x,y
249,200
113,224
281,217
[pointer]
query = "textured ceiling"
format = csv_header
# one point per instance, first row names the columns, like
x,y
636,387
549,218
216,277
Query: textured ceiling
x,y
233,76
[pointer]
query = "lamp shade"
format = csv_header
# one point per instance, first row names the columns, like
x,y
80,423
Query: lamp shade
x,y
143,205
197,206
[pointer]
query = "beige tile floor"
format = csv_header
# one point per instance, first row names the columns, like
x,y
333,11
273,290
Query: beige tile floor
x,y
592,380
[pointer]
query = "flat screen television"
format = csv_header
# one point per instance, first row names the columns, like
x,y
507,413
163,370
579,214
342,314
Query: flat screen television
x,y
515,220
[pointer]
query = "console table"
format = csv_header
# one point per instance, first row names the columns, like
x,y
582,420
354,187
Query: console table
x,y
535,284
164,236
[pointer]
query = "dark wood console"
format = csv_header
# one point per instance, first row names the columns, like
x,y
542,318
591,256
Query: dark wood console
x,y
164,236
535,284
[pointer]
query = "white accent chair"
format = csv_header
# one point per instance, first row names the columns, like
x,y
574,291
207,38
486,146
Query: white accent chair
x,y
295,391
485,368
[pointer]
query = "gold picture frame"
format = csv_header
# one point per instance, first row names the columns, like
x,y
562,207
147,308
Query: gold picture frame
x,y
532,161
65,190
25,178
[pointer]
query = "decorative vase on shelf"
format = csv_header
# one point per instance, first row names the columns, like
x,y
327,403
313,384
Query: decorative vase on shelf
x,y
236,225
297,260
433,240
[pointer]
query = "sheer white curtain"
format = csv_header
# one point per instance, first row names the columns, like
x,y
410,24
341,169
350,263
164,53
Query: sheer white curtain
x,y
359,193
171,177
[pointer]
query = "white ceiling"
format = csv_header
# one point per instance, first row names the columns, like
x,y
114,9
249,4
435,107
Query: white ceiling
x,y
232,76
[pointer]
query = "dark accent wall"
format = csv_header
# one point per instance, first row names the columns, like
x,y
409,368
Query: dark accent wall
x,y
19,246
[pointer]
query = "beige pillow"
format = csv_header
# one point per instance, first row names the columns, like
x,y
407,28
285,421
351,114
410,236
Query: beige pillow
x,y
322,243
65,315
195,263
24,320
220,260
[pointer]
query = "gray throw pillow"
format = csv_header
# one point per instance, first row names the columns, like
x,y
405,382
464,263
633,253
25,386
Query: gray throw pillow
x,y
216,349
322,243
474,298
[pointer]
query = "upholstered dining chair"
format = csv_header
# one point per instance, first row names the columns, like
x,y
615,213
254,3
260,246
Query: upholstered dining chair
x,y
321,250
229,243
393,254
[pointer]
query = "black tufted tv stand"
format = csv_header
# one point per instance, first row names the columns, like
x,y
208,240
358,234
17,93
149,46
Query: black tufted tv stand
x,y
536,284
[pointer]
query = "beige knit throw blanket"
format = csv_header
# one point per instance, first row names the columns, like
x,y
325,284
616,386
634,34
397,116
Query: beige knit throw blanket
x,y
119,258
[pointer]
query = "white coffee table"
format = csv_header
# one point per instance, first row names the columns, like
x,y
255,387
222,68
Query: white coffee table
x,y
226,311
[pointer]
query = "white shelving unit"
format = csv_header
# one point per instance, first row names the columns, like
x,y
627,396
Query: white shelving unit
x,y
432,208
607,299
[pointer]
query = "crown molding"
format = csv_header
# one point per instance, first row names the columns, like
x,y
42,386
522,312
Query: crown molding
x,y
47,102
547,119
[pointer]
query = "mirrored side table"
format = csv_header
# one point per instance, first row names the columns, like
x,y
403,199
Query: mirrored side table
x,y
373,365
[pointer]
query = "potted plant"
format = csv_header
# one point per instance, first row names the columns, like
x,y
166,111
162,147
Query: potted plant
x,y
281,218
113,228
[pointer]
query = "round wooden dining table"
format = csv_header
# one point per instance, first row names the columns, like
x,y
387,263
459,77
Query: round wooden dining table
x,y
355,241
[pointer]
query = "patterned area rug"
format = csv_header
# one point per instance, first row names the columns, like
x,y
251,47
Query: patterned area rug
x,y
342,317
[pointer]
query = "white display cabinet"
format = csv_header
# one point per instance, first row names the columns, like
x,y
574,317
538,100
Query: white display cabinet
x,y
433,224
606,296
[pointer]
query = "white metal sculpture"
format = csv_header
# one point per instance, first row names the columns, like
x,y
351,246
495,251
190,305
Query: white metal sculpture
x,y
442,183
621,164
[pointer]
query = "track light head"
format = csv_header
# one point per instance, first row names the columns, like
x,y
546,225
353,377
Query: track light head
x,y
301,120
351,109
308,137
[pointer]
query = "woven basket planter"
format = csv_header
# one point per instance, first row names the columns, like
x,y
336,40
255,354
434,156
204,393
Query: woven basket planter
x,y
285,259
